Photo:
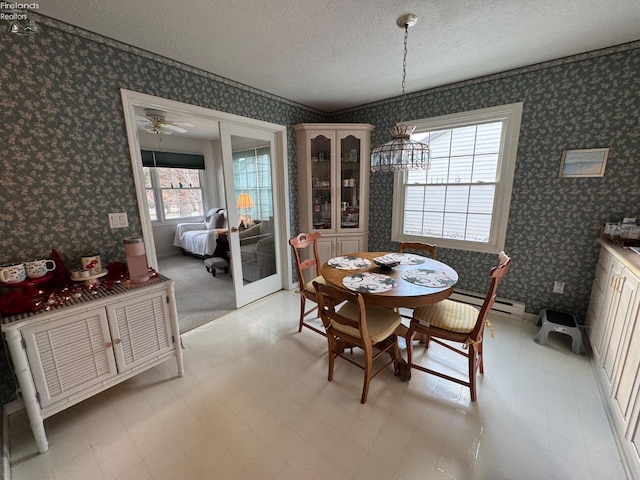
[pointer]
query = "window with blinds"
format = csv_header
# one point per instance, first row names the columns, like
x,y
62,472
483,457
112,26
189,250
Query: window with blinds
x,y
173,184
462,201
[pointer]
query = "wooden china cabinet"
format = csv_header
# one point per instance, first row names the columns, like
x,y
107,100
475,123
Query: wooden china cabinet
x,y
333,189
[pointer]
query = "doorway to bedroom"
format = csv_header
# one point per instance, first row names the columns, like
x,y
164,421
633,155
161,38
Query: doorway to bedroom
x,y
200,296
177,165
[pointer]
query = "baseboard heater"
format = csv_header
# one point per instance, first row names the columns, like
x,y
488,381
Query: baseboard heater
x,y
501,306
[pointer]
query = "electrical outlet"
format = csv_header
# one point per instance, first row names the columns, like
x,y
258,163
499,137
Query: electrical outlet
x,y
558,287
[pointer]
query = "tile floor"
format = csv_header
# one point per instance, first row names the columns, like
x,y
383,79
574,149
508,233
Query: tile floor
x,y
255,404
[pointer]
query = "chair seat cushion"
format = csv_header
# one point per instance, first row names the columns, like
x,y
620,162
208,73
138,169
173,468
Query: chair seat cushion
x,y
448,315
381,322
308,288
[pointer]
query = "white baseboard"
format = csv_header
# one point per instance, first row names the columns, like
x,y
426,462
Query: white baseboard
x,y
501,306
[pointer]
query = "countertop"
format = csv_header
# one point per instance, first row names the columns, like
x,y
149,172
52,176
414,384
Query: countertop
x,y
627,257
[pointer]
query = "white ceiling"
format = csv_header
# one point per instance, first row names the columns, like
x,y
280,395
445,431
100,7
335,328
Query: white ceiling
x,y
334,54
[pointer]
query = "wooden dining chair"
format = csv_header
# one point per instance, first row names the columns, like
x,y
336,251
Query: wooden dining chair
x,y
351,323
305,252
418,246
449,322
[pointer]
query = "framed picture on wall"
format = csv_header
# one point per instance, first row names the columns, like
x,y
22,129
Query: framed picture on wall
x,y
589,162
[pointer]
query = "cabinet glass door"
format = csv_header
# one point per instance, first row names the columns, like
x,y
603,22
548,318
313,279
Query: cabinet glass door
x,y
321,178
350,182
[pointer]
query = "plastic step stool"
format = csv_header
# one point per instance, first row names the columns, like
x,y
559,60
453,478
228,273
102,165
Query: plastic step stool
x,y
561,322
212,263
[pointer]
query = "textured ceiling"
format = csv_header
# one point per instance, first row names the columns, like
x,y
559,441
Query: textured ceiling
x,y
334,54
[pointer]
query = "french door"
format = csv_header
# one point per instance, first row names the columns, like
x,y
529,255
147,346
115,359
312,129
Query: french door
x,y
252,193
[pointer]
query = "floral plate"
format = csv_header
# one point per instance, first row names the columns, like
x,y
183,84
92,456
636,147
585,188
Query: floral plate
x,y
405,258
349,263
367,282
429,278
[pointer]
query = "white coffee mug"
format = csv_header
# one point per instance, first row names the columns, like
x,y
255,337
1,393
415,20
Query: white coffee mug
x,y
13,272
37,268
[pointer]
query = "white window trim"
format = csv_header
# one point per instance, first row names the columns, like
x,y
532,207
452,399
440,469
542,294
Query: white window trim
x,y
512,115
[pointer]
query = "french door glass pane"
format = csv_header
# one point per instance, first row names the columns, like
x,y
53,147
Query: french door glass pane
x,y
252,175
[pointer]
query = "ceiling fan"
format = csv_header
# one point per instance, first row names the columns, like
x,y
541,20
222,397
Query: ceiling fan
x,y
154,121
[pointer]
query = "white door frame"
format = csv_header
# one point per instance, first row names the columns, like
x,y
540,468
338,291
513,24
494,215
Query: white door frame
x,y
131,99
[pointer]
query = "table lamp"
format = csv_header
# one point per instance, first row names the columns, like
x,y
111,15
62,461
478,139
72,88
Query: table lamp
x,y
245,202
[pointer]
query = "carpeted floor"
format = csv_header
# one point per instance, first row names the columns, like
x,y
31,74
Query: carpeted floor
x,y
200,297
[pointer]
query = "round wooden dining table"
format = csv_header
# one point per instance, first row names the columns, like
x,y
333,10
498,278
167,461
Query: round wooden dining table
x,y
418,280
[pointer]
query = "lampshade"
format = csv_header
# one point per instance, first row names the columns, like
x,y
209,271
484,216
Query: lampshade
x,y
401,153
245,201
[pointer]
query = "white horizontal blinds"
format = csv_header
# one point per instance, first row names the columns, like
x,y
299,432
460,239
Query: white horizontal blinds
x,y
142,329
454,198
72,355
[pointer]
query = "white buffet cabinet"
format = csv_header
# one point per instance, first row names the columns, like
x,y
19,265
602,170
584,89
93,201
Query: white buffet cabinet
x,y
613,326
91,343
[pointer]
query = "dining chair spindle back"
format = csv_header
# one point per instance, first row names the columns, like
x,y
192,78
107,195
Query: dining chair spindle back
x,y
305,252
418,246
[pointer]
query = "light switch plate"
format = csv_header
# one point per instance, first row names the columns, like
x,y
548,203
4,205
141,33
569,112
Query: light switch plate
x,y
118,220
558,287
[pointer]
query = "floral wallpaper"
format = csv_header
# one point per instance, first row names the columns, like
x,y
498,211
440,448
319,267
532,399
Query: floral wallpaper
x,y
65,160
587,101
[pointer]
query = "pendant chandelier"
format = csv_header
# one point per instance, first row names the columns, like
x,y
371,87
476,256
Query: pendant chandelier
x,y
401,153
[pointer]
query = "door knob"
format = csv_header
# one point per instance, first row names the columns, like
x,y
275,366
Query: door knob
x,y
234,229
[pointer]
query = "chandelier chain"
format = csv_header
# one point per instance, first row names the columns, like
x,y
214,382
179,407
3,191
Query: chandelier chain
x,y
401,152
404,72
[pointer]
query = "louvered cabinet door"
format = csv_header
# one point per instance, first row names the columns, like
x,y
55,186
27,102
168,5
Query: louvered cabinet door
x,y
141,330
69,355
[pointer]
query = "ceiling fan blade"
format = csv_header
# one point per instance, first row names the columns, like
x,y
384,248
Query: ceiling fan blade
x,y
182,124
155,130
169,126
